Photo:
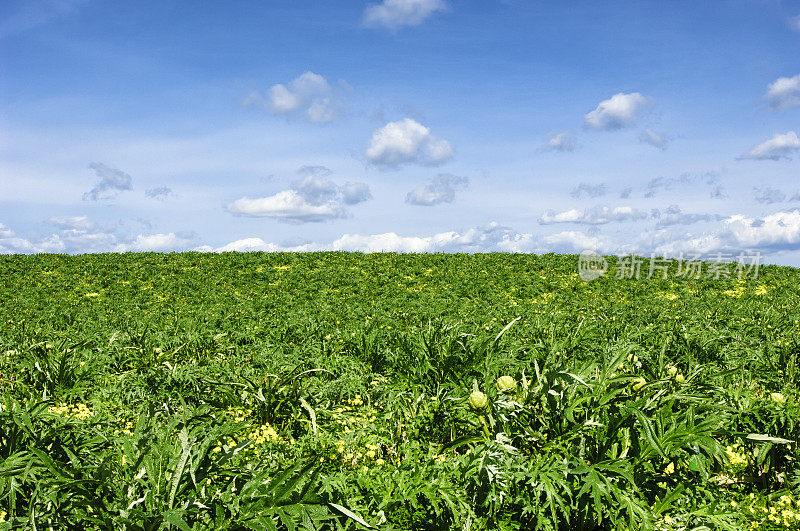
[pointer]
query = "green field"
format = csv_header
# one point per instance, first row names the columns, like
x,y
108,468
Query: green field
x,y
338,390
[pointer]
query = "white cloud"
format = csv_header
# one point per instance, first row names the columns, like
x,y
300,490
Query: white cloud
x,y
407,141
773,233
288,206
571,241
559,141
74,223
154,243
257,244
592,216
17,246
784,92
619,111
394,14
308,95
112,181
6,232
78,234
490,237
487,238
389,242
311,198
776,231
440,189
316,190
777,147
654,139
354,193
11,244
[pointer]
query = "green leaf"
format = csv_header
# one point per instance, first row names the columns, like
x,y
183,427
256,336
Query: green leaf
x,y
178,472
669,498
504,330
649,432
175,517
766,438
350,514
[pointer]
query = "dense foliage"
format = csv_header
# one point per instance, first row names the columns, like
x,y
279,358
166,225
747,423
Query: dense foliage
x,y
341,391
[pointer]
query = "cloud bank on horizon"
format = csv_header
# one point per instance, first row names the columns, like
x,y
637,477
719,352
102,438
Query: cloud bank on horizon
x,y
400,125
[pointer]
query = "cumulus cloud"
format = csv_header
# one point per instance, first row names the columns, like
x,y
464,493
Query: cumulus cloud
x,y
79,234
592,216
440,189
311,198
769,195
394,14
161,192
315,189
571,241
112,182
740,233
618,112
257,244
154,243
776,148
558,141
492,237
354,193
407,141
288,206
74,223
309,96
10,243
649,136
775,233
589,190
784,92
673,215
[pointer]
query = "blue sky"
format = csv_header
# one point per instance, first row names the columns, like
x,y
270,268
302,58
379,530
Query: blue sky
x,y
406,125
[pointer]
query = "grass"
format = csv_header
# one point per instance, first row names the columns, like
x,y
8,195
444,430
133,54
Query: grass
x,y
344,391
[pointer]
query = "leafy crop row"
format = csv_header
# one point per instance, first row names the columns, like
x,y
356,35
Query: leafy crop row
x,y
347,391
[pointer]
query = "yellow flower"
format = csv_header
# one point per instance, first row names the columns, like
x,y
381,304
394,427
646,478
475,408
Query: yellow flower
x,y
670,468
778,397
638,383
